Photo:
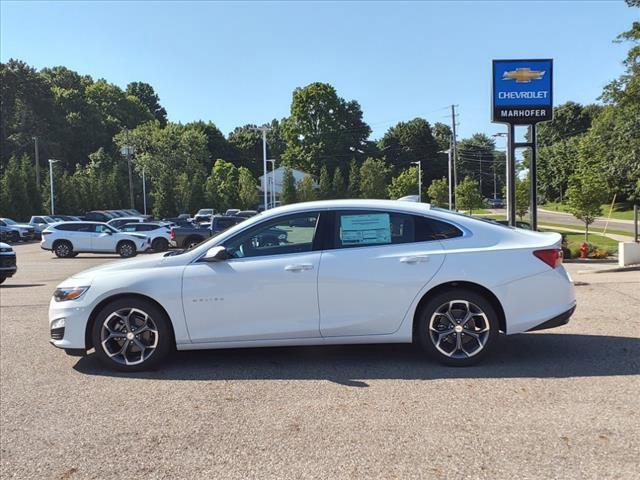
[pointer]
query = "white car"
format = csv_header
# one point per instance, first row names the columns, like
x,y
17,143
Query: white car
x,y
120,221
68,239
322,273
159,234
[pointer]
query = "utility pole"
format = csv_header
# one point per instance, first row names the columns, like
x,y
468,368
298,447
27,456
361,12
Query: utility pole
x,y
37,151
272,181
128,151
454,154
144,192
264,129
419,178
51,162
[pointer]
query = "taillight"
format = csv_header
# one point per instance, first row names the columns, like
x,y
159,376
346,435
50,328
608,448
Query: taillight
x,y
46,233
552,256
172,234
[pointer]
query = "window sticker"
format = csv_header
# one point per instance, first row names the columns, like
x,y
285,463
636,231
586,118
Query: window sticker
x,y
365,229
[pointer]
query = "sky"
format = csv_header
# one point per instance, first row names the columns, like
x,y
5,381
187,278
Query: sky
x,y
238,63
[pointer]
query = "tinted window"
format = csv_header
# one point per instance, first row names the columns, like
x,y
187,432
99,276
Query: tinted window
x,y
75,227
102,228
360,228
432,229
290,234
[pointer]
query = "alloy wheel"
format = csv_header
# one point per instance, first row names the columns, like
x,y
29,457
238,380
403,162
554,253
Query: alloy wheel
x,y
126,250
129,336
63,250
459,329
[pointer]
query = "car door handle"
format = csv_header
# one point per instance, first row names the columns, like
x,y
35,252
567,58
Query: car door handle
x,y
300,267
414,259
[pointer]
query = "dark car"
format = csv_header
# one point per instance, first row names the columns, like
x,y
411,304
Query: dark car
x,y
495,203
8,265
189,236
99,216
8,234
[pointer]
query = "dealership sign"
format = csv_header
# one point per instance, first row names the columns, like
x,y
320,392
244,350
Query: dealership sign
x,y
522,91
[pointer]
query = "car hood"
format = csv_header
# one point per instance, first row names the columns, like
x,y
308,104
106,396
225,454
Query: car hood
x,y
22,225
149,261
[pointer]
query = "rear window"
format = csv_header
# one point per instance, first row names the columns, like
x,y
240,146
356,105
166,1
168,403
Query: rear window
x,y
431,229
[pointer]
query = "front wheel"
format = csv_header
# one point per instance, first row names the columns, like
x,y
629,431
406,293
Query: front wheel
x,y
457,327
160,245
132,334
126,249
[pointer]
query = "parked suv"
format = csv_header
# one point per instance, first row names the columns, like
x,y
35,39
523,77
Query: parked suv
x,y
71,238
203,215
8,266
157,233
41,222
25,230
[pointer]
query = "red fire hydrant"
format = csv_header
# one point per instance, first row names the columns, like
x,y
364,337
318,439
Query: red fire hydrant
x,y
583,250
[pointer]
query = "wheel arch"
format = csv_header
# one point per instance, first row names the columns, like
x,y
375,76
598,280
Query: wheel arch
x,y
475,287
58,241
94,314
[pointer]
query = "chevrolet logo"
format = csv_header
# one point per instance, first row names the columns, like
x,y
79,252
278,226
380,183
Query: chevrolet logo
x,y
523,75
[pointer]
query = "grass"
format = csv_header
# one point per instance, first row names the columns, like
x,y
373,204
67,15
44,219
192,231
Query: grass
x,y
621,211
604,244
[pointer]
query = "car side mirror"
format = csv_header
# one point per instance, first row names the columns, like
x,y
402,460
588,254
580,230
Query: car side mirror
x,y
216,254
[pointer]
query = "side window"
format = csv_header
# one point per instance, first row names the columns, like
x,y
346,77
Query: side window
x,y
431,229
290,234
68,227
368,228
103,229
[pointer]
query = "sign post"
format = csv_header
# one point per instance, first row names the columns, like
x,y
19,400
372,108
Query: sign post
x,y
522,95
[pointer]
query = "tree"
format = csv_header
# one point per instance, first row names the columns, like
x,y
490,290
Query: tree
x,y
477,158
222,186
162,195
353,189
149,98
338,186
13,195
585,196
306,191
405,183
323,129
288,188
468,195
373,178
522,196
439,193
325,192
413,141
248,189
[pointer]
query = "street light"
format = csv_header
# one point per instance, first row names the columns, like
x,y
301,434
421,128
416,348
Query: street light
x,y
272,181
419,178
450,171
51,162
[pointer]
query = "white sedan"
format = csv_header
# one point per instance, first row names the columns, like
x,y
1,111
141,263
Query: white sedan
x,y
320,273
68,239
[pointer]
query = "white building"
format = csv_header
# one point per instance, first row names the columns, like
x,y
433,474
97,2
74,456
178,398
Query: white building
x,y
274,180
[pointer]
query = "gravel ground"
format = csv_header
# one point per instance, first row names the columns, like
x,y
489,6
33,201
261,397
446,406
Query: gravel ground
x,y
557,404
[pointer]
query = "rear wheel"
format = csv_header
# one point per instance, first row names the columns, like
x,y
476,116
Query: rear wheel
x,y
126,249
192,242
131,334
457,327
160,245
63,249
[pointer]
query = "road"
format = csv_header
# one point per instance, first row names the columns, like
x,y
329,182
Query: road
x,y
556,404
569,220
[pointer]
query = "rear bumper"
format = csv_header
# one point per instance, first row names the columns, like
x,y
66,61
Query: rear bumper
x,y
557,321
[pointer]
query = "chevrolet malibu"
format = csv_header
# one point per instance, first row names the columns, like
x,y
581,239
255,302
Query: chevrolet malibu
x,y
322,273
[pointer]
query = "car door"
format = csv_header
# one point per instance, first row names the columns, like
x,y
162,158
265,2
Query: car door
x,y
374,271
266,290
103,239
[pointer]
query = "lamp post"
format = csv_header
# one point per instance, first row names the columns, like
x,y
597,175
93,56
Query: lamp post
x,y
51,162
127,150
144,192
419,178
272,181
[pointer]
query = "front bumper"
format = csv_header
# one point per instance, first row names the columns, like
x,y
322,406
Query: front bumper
x,y
72,335
8,266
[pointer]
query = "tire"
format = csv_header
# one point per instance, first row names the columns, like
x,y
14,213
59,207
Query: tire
x,y
126,249
469,326
119,347
160,245
15,237
2,279
63,249
191,242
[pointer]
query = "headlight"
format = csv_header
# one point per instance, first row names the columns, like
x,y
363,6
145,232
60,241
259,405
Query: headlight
x,y
69,293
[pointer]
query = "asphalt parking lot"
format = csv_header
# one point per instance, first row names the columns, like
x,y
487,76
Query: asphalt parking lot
x,y
562,403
